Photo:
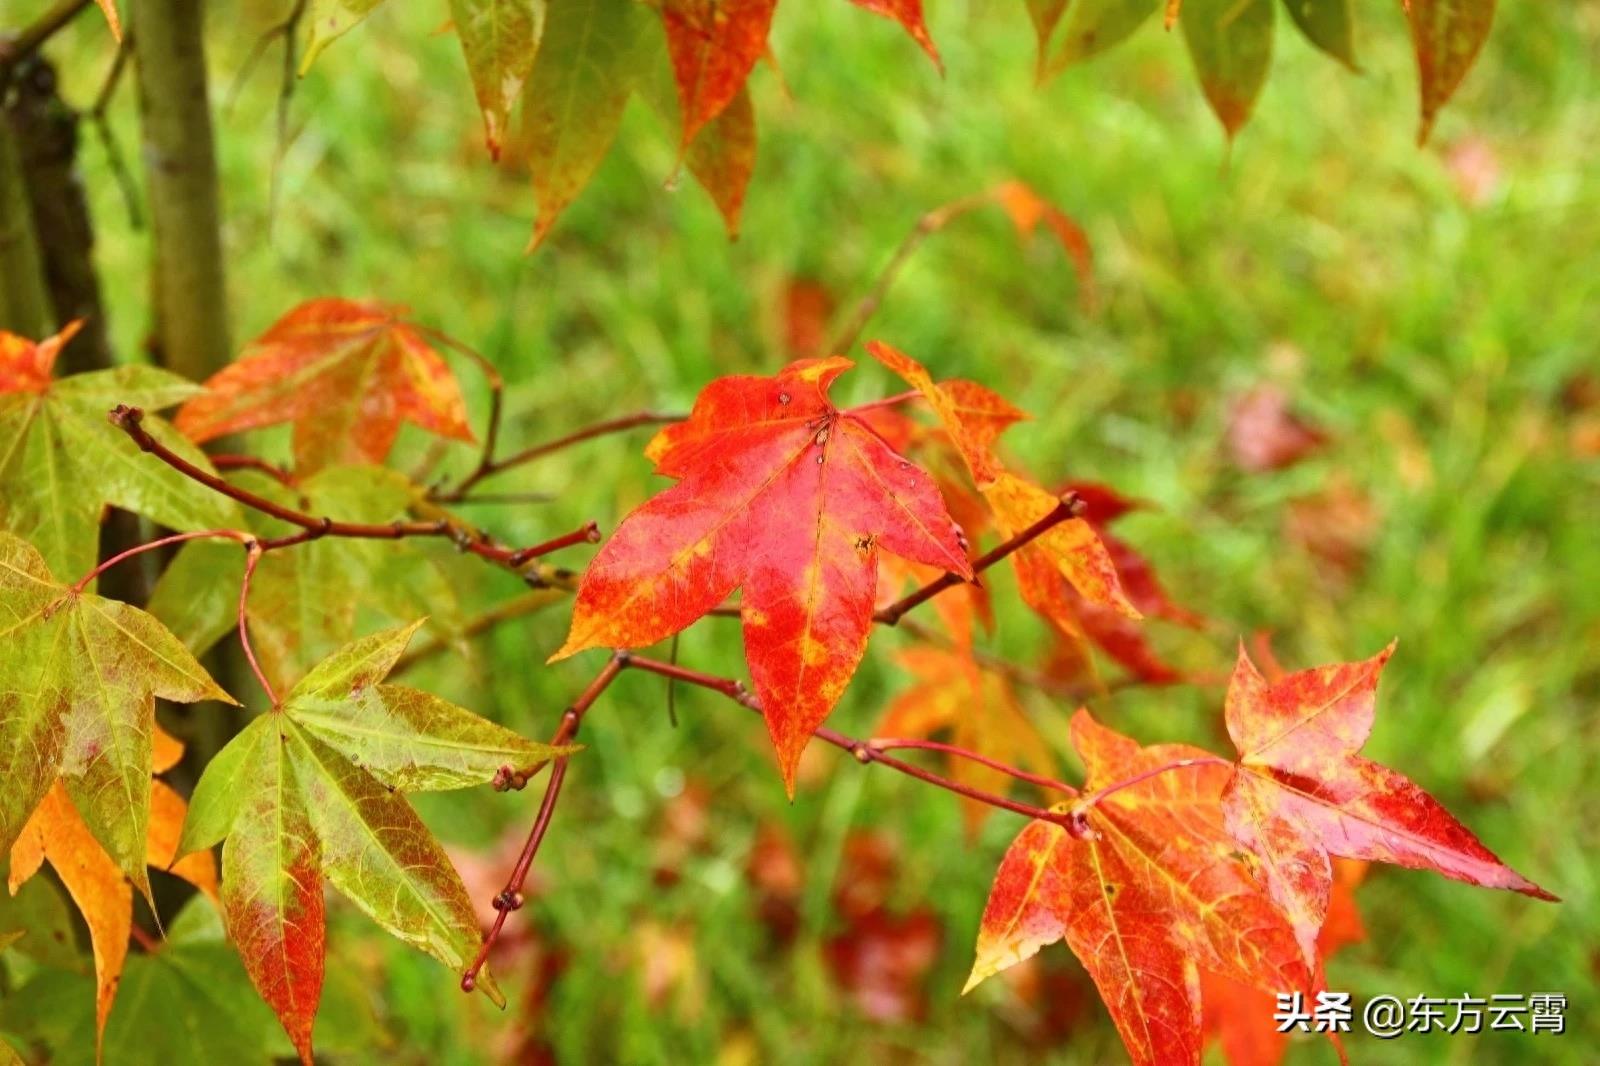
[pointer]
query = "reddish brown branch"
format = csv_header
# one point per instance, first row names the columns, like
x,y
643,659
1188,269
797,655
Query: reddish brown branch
x,y
510,897
489,466
1069,506
250,462
862,751
917,744
129,419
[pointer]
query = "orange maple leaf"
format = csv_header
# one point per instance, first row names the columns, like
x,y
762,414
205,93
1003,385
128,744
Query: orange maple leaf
x,y
345,372
788,497
974,417
56,833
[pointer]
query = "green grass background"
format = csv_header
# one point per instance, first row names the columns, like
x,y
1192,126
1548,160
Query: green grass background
x,y
1326,252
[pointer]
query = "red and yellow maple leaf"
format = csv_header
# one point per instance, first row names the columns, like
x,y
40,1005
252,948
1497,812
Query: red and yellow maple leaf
x,y
345,372
56,833
1154,892
1300,793
1239,1019
790,498
714,45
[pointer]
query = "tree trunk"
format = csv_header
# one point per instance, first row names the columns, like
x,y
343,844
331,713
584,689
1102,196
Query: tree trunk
x,y
24,303
189,296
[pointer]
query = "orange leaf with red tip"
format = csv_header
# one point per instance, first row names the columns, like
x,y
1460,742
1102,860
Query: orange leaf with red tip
x,y
790,498
714,45
1154,892
345,372
25,365
909,14
1301,793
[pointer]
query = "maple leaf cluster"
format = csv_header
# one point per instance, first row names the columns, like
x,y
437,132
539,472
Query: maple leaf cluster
x,y
573,65
1184,881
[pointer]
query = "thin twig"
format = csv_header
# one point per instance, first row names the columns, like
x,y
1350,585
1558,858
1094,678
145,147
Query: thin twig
x,y
861,751
917,744
108,141
510,897
139,549
1068,506
926,226
489,466
128,419
253,551
13,50
1089,802
251,462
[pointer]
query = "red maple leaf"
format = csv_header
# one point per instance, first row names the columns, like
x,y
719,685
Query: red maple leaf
x,y
714,45
1300,792
345,372
785,496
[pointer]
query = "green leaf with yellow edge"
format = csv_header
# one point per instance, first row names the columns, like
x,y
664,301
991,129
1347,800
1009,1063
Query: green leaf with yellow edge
x,y
1230,42
312,792
306,601
61,462
78,679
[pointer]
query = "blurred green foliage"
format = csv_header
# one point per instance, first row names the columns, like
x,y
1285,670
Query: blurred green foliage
x,y
1438,333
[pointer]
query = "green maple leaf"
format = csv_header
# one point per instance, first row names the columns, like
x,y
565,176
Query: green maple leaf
x,y
61,462
311,792
78,679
